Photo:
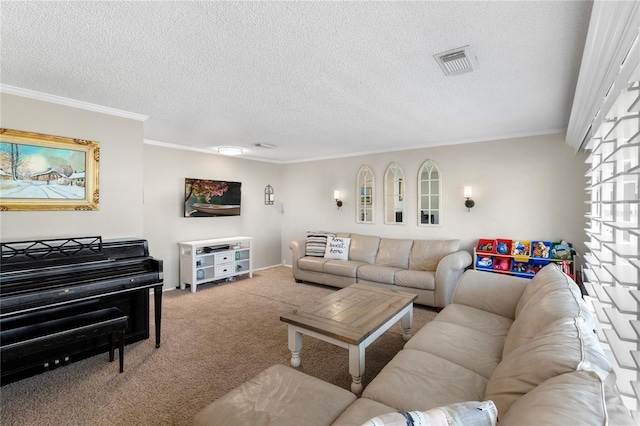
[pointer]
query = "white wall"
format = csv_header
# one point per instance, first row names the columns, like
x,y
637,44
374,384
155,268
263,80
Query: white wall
x,y
165,170
525,188
120,185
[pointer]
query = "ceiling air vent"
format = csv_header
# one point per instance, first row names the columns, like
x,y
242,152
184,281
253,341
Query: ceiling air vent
x,y
457,61
264,145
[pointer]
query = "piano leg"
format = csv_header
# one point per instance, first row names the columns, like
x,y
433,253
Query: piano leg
x,y
157,307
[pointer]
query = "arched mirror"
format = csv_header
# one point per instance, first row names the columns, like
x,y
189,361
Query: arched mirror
x,y
394,194
429,194
364,194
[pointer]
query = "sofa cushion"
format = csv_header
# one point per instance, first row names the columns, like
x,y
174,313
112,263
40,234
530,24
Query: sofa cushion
x,y
549,279
364,248
379,274
317,243
343,268
564,346
426,254
361,411
453,342
476,319
578,398
425,280
549,296
279,395
311,263
473,287
469,413
337,248
394,252
416,380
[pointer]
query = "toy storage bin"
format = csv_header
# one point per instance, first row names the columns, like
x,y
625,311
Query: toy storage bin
x,y
521,269
501,263
503,247
536,264
521,248
486,246
484,262
561,251
541,249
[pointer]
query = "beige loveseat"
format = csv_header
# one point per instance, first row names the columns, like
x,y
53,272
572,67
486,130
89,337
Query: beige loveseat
x,y
427,268
526,345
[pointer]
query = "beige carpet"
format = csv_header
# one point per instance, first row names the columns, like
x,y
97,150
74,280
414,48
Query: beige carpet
x,y
212,341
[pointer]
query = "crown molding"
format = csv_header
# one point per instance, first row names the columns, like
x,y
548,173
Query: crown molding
x,y
32,94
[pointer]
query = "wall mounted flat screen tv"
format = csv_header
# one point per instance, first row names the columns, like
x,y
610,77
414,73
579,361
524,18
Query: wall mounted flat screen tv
x,y
211,198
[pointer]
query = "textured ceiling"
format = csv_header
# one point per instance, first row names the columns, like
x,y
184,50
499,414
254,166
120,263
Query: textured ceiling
x,y
316,79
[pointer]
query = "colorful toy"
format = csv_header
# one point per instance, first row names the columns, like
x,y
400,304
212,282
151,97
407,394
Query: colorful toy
x,y
502,265
488,247
540,249
485,262
519,267
503,248
562,251
520,249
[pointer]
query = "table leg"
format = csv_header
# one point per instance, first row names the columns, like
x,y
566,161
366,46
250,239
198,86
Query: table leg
x,y
295,346
407,322
356,367
157,308
121,350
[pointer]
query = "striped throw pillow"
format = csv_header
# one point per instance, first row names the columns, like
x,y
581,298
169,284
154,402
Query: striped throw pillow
x,y
317,242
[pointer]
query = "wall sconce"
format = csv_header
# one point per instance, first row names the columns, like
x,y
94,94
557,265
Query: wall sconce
x,y
268,195
467,194
336,196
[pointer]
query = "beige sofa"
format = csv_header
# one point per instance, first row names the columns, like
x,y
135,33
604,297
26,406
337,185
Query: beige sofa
x,y
526,345
427,268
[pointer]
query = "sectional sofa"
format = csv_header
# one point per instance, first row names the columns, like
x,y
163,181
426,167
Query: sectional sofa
x,y
428,268
521,350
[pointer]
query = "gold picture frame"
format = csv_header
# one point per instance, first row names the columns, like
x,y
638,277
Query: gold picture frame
x,y
44,172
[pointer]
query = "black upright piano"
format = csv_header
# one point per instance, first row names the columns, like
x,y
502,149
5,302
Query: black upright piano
x,y
41,280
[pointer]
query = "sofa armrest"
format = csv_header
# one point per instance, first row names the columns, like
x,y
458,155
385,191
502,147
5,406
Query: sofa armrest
x,y
448,271
495,293
298,251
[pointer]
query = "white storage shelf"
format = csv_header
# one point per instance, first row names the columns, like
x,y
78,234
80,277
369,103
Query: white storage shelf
x,y
215,259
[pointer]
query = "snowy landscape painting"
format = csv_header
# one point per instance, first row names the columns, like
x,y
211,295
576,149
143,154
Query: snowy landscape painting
x,y
43,172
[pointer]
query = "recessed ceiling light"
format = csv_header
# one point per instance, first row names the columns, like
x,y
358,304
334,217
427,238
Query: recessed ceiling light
x,y
229,150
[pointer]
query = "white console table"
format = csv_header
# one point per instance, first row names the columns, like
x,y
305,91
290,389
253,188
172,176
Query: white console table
x,y
204,261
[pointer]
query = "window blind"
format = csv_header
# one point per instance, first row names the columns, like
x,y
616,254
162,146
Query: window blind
x,y
612,268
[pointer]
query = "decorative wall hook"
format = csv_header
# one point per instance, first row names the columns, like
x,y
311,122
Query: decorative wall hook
x,y
268,195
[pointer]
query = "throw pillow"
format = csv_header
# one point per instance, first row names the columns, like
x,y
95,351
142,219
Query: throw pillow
x,y
471,413
337,248
317,243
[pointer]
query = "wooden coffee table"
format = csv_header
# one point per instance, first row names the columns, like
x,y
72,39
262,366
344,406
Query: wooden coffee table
x,y
351,318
